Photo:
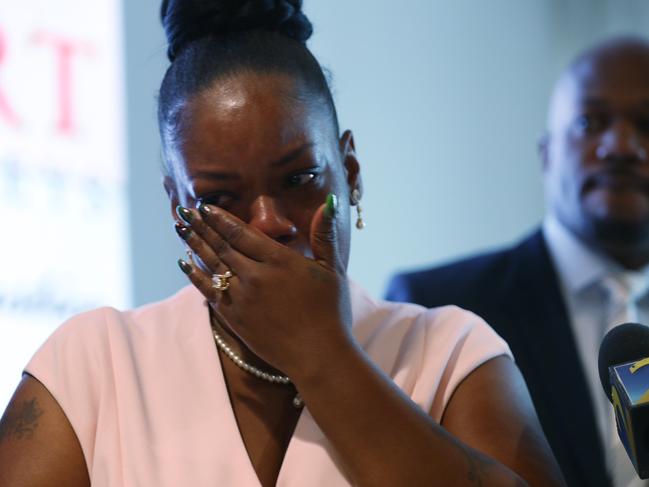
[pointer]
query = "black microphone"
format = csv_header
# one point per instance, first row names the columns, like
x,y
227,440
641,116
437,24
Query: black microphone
x,y
623,364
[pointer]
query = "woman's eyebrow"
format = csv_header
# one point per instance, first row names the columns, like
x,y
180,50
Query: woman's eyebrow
x,y
229,176
291,156
215,175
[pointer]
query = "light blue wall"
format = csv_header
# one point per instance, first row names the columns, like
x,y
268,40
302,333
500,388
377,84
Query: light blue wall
x,y
446,99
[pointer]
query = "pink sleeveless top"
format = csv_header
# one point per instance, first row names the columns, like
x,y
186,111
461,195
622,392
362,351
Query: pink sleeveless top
x,y
145,394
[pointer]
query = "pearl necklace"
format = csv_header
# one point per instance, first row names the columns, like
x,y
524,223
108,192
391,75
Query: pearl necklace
x,y
251,369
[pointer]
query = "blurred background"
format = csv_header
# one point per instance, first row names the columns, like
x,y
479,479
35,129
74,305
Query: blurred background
x,y
446,100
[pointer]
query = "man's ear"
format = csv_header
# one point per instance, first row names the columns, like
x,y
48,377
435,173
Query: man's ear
x,y
350,162
172,192
543,147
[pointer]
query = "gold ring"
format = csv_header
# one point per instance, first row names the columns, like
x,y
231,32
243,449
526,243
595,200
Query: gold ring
x,y
221,281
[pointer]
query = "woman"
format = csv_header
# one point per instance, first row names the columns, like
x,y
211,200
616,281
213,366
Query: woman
x,y
271,368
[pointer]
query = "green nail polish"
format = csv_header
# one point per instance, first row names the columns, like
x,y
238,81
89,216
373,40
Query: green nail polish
x,y
185,267
184,214
204,209
182,231
332,205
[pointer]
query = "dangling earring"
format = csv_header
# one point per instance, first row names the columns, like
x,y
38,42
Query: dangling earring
x,y
356,201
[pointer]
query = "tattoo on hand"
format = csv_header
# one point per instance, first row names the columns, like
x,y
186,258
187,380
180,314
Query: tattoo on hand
x,y
318,273
20,422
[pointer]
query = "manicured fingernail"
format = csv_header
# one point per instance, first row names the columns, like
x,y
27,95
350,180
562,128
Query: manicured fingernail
x,y
332,205
185,267
205,209
184,214
182,231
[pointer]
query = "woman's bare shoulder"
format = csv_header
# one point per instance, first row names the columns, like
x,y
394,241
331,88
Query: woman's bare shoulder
x,y
491,411
32,424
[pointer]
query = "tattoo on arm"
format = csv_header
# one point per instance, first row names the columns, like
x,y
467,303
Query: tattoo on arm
x,y
477,466
20,421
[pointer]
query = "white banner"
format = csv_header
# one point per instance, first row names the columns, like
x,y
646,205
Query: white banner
x,y
62,170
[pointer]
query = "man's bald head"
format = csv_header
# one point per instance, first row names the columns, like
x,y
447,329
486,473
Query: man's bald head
x,y
611,59
596,169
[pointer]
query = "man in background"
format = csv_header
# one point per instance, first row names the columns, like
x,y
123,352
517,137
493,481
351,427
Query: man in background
x,y
555,294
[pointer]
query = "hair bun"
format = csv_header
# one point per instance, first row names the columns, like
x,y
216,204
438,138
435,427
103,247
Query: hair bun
x,y
185,21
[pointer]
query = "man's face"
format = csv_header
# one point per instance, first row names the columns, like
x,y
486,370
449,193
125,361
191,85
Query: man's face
x,y
596,157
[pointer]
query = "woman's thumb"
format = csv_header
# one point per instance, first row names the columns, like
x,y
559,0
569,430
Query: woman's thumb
x,y
324,238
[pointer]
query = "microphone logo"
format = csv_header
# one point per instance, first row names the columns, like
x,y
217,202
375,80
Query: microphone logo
x,y
623,362
623,423
630,396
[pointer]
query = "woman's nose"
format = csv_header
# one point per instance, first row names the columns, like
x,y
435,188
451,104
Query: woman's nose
x,y
267,215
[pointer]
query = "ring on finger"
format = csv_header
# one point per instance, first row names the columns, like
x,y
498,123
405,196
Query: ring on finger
x,y
221,281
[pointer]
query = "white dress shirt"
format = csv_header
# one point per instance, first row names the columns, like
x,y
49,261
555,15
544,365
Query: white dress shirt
x,y
582,274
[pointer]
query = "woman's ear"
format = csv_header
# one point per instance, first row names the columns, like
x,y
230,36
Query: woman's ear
x,y
172,192
350,162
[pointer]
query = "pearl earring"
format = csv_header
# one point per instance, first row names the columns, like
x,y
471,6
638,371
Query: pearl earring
x,y
356,200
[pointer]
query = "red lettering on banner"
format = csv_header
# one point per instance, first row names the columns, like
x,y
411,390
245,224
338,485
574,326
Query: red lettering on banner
x,y
6,112
64,50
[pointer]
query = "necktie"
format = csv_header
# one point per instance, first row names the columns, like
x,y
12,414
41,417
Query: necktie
x,y
622,292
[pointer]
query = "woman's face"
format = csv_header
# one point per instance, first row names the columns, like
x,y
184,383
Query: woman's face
x,y
252,145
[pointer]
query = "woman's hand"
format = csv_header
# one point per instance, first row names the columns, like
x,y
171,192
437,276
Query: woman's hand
x,y
290,310
294,313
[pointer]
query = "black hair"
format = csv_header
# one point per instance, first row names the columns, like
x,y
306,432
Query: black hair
x,y
208,39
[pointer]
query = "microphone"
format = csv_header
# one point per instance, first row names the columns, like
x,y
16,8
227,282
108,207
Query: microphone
x,y
623,364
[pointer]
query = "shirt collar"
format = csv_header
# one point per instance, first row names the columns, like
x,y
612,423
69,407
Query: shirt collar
x,y
579,266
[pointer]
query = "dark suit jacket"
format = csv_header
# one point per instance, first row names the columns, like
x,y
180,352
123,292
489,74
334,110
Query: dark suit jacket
x,y
517,292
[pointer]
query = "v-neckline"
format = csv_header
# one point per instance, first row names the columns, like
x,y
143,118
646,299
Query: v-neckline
x,y
306,433
228,417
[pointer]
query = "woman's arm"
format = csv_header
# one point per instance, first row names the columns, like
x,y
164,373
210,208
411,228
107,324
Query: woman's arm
x,y
295,313
38,447
491,411
490,434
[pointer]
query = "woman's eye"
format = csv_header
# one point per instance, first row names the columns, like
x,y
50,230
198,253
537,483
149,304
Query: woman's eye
x,y
302,178
217,199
